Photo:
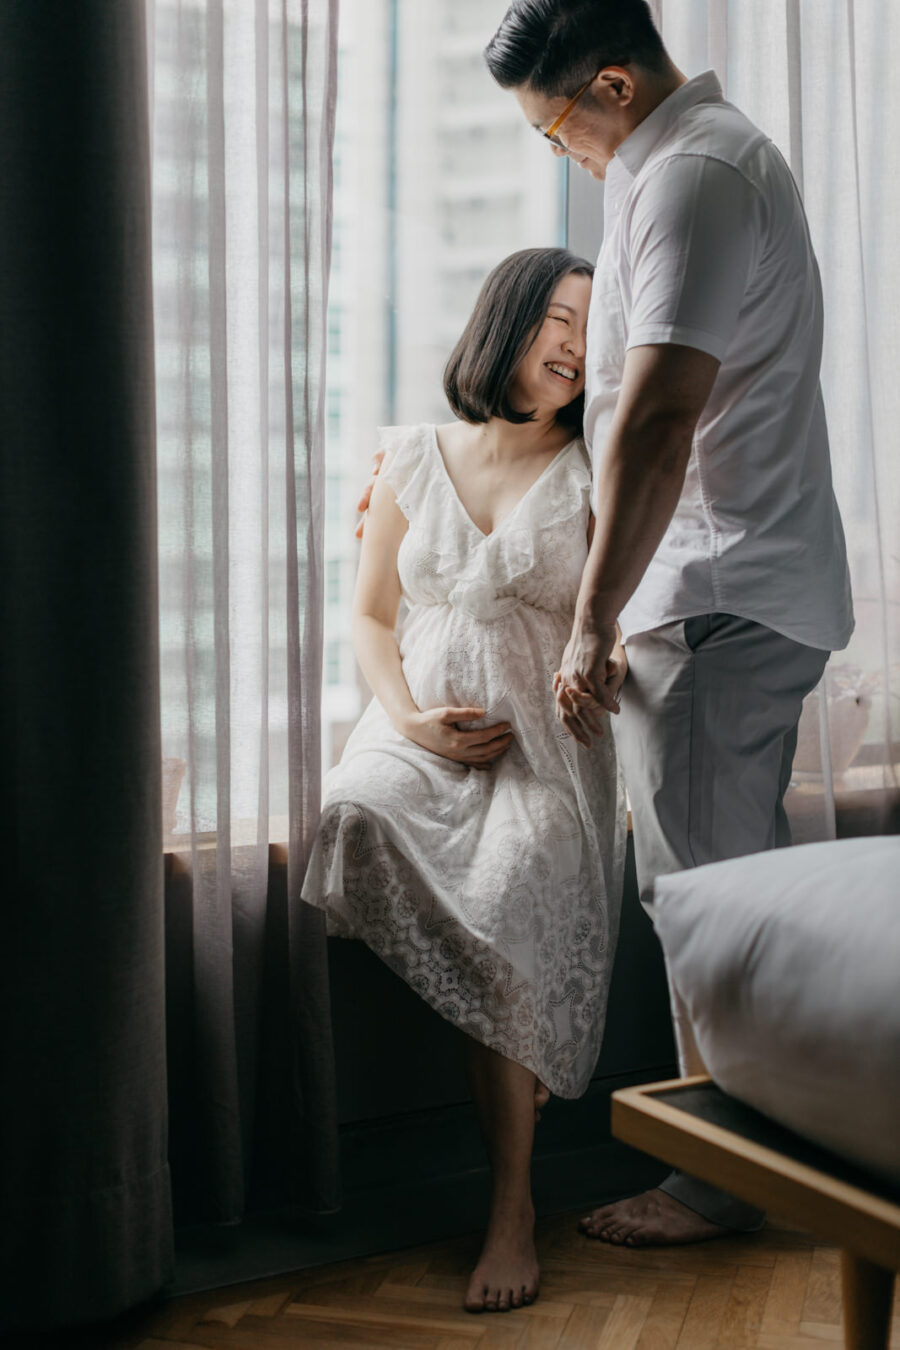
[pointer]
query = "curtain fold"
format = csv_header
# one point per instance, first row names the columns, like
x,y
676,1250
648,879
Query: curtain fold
x,y
816,78
86,1219
243,126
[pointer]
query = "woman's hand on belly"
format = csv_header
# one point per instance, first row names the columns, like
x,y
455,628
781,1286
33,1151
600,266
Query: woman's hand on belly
x,y
436,730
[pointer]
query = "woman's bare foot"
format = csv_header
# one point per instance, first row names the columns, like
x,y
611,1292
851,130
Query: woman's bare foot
x,y
507,1274
654,1219
541,1098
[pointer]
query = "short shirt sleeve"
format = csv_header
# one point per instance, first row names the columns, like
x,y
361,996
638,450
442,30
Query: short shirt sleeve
x,y
693,242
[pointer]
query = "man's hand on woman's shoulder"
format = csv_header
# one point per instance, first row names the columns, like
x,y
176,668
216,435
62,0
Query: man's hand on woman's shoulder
x,y
363,504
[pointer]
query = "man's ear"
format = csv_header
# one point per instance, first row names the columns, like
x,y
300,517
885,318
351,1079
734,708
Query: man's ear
x,y
614,84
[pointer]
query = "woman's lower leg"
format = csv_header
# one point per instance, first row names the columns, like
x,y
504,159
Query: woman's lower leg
x,y
507,1274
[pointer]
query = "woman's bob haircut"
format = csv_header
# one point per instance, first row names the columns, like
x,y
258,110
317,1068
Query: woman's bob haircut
x,y
509,311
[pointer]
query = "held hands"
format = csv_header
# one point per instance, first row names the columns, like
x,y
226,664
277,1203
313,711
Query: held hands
x,y
588,681
363,504
436,730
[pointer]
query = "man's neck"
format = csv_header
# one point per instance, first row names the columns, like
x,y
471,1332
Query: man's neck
x,y
654,91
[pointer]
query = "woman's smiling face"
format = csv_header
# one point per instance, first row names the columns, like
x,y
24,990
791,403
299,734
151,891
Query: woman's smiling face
x,y
552,371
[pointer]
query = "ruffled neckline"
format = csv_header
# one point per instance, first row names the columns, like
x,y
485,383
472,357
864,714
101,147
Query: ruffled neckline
x,y
480,569
451,486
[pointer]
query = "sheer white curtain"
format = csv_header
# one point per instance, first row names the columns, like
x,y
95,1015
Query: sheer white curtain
x,y
243,96
818,76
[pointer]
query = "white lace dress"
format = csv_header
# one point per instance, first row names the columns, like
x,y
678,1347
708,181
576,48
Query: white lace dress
x,y
494,893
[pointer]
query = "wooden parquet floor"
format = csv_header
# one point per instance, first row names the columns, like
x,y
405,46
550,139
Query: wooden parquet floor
x,y
778,1290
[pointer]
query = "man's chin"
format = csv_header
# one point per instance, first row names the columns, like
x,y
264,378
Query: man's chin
x,y
595,167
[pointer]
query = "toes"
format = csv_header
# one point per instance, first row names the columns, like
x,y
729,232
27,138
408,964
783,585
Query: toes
x,y
518,1297
475,1303
611,1224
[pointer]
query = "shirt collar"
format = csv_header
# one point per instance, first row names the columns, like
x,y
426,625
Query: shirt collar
x,y
635,149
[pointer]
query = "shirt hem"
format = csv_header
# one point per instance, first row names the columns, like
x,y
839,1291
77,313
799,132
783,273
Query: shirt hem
x,y
830,643
677,335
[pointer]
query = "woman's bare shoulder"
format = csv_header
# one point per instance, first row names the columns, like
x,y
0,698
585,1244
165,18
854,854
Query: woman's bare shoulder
x,y
453,435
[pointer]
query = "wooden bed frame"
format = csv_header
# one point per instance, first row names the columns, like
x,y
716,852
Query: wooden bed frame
x,y
691,1124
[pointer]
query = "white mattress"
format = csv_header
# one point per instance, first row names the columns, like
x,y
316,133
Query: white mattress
x,y
789,964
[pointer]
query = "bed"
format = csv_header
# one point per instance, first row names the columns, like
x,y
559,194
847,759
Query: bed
x,y
789,965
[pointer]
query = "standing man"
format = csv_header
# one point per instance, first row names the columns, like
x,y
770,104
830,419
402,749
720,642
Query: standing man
x,y
718,543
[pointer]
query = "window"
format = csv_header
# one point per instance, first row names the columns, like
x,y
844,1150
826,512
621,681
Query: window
x,y
335,406
440,178
335,325
333,581
332,663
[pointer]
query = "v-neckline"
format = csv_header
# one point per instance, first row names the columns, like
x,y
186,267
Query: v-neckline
x,y
489,534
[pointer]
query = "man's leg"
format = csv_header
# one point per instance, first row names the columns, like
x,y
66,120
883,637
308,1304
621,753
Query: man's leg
x,y
782,824
706,737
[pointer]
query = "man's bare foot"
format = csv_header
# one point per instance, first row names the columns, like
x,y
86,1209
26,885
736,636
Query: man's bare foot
x,y
654,1219
541,1098
507,1274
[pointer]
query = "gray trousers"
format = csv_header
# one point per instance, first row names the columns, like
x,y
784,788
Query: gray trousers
x,y
706,737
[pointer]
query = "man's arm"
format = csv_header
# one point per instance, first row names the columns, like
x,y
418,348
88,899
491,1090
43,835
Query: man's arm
x,y
362,505
664,390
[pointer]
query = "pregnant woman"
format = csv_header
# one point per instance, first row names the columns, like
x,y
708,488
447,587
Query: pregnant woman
x,y
465,836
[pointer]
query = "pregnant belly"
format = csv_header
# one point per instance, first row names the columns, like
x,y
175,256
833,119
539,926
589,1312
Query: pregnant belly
x,y
504,666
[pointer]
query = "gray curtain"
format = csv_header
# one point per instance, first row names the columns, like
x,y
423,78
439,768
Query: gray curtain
x,y
242,100
86,1226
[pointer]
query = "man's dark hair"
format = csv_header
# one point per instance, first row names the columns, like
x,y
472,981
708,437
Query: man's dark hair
x,y
554,46
510,308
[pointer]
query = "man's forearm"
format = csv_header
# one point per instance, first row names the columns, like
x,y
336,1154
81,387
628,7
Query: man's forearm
x,y
640,482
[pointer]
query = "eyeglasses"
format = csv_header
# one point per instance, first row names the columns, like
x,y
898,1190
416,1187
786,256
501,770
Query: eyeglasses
x,y
550,133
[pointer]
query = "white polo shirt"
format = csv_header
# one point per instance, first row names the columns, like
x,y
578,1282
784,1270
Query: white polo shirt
x,y
706,245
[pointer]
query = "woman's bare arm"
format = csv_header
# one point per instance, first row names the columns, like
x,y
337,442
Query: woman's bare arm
x,y
375,607
362,505
376,603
